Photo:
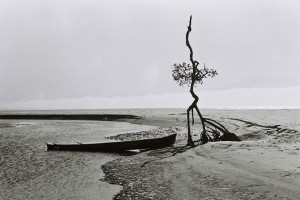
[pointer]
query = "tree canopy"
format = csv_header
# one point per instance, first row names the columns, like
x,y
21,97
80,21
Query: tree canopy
x,y
183,73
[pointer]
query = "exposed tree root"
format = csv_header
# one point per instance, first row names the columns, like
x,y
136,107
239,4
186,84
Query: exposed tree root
x,y
213,131
254,124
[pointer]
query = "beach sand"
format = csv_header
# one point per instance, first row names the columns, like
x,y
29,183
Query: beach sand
x,y
265,165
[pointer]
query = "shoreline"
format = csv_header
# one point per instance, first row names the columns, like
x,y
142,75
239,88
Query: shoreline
x,y
265,165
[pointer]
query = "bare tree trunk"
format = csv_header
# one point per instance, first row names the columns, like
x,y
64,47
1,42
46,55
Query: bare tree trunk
x,y
196,98
215,128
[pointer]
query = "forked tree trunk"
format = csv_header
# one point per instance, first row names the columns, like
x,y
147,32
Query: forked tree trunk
x,y
196,98
217,130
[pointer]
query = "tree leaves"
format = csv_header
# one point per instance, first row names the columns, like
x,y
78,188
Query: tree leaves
x,y
183,73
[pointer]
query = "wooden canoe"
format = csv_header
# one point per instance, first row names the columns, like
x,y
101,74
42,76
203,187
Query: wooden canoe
x,y
116,146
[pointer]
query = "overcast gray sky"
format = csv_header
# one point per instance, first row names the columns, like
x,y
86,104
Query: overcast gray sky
x,y
54,50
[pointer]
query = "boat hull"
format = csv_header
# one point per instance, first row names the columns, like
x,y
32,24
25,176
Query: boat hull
x,y
154,143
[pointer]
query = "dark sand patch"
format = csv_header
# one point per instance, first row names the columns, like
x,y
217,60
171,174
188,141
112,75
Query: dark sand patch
x,y
95,117
154,133
5,125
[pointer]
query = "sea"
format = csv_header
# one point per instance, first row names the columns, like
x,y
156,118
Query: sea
x,y
29,171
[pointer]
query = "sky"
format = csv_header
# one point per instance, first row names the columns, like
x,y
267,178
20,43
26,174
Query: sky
x,y
67,54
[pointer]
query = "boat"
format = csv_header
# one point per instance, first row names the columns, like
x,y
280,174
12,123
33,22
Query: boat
x,y
116,146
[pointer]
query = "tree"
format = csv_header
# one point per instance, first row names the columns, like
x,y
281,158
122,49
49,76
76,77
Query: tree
x,y
190,74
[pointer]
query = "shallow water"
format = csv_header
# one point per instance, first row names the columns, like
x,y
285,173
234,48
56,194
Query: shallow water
x,y
29,171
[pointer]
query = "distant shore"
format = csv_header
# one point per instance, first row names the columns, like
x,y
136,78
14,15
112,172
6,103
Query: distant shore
x,y
96,117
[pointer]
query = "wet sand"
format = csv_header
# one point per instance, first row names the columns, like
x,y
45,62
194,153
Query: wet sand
x,y
29,171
